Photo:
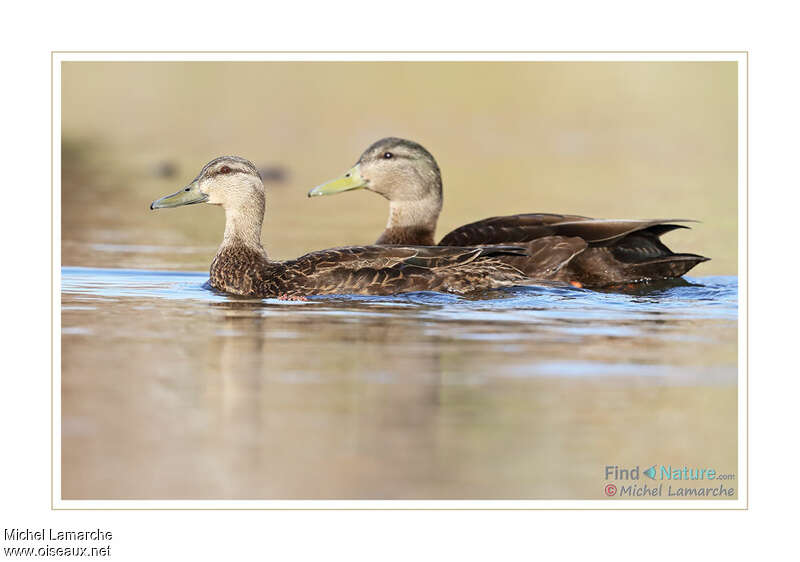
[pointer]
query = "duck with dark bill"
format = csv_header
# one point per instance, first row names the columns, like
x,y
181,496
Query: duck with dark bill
x,y
242,267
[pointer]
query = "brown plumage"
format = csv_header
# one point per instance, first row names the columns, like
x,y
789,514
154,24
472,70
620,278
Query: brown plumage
x,y
242,267
594,252
365,270
570,248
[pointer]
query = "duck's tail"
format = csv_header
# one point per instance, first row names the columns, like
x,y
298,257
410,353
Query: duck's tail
x,y
663,267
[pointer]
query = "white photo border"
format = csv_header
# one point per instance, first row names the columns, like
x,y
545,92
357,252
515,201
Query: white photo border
x,y
740,57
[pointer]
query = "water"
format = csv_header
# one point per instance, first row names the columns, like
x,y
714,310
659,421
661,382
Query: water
x,y
171,390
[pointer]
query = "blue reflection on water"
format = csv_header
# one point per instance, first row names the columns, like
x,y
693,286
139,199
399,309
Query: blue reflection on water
x,y
704,297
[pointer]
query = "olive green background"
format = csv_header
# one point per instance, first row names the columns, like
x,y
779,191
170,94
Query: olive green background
x,y
607,139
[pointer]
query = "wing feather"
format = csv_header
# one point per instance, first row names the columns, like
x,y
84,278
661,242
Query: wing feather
x,y
528,227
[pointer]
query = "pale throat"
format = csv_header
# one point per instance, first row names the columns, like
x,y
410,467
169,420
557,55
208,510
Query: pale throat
x,y
419,214
243,225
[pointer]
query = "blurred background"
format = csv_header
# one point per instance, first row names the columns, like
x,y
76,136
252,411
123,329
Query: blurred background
x,y
524,393
612,140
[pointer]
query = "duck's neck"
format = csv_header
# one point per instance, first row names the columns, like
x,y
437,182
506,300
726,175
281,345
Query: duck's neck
x,y
412,222
243,226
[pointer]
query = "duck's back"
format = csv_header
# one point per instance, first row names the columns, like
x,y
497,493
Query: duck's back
x,y
366,270
573,248
387,270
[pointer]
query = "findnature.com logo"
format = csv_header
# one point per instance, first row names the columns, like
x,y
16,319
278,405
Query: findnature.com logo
x,y
667,474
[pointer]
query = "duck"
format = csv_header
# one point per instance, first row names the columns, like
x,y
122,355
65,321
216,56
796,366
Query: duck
x,y
579,250
242,267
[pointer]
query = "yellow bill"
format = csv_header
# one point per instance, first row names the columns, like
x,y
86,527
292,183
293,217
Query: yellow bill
x,y
351,180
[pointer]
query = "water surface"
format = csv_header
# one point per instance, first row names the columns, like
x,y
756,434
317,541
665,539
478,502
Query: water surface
x,y
171,390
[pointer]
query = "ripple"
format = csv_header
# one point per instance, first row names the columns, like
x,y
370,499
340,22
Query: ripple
x,y
611,313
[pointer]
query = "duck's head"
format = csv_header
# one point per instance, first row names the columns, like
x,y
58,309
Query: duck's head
x,y
230,181
398,169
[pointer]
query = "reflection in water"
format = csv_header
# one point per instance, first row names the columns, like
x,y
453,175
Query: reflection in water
x,y
268,395
173,391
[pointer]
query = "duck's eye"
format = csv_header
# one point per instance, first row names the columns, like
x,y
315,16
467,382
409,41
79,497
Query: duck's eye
x,y
225,170
387,155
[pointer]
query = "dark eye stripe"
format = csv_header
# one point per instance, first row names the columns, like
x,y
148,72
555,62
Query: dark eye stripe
x,y
222,171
